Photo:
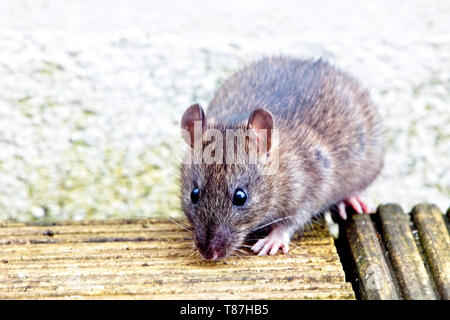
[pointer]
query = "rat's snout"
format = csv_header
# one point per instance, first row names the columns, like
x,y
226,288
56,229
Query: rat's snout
x,y
214,243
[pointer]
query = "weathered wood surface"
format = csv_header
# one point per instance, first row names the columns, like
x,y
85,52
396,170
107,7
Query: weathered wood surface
x,y
435,241
390,263
404,254
375,280
154,259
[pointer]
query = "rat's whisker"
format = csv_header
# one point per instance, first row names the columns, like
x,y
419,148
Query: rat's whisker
x,y
194,253
234,253
272,222
255,238
241,251
187,228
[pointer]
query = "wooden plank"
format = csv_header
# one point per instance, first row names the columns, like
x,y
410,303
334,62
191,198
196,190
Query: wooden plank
x,y
375,280
155,259
435,240
404,254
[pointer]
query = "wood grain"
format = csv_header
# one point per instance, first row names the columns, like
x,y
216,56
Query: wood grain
x,y
404,254
155,259
375,279
435,240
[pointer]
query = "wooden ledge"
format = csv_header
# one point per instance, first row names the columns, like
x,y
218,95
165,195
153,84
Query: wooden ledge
x,y
154,259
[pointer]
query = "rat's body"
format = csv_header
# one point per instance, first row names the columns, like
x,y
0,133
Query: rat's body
x,y
330,150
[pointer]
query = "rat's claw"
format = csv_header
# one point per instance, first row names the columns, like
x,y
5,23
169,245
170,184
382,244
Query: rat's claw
x,y
258,245
272,243
366,204
358,203
341,209
353,201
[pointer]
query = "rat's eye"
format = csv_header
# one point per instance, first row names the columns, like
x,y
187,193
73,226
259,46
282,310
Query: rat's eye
x,y
195,195
239,197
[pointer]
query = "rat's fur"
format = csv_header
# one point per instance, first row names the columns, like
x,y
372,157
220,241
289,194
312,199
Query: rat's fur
x,y
330,148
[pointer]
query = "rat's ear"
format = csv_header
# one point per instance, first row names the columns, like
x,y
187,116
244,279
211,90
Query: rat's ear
x,y
262,121
193,118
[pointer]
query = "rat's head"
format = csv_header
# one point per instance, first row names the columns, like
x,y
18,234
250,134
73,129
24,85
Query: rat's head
x,y
225,192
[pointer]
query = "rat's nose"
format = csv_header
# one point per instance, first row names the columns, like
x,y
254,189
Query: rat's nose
x,y
214,243
211,255
214,254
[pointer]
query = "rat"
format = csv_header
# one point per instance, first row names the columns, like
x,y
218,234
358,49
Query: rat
x,y
329,150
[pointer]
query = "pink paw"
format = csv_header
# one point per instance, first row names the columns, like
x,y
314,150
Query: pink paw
x,y
272,243
358,203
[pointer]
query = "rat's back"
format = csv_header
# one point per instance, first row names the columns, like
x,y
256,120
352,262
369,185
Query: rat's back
x,y
297,92
315,106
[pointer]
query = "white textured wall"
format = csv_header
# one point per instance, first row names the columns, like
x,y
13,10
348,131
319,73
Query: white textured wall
x,y
91,92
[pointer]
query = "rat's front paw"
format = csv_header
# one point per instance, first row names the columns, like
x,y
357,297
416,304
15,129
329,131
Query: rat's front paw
x,y
359,203
277,238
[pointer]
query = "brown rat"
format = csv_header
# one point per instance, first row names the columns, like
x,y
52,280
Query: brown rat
x,y
329,150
